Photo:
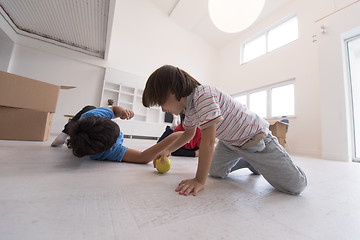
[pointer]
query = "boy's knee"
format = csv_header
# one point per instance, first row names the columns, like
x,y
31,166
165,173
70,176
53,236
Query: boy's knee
x,y
218,173
300,186
295,188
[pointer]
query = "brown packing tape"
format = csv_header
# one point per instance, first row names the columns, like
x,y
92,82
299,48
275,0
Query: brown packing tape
x,y
67,87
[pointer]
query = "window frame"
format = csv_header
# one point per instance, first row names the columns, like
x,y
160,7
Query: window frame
x,y
350,95
265,32
268,89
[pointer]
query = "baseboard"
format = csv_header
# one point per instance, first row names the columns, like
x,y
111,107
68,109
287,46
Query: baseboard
x,y
140,137
304,152
335,157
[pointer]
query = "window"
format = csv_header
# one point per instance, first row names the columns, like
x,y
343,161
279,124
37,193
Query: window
x,y
271,39
255,48
283,34
273,101
242,99
258,103
282,101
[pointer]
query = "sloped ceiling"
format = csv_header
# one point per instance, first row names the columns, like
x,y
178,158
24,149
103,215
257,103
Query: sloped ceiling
x,y
80,25
193,15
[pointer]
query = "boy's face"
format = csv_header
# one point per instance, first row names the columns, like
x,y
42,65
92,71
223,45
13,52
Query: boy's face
x,y
172,105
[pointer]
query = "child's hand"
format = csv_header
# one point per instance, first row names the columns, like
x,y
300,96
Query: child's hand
x,y
190,186
196,153
162,154
126,114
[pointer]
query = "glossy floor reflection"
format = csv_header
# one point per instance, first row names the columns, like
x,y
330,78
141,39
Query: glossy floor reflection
x,y
46,193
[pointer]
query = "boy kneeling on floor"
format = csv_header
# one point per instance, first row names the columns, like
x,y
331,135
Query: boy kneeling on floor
x,y
244,138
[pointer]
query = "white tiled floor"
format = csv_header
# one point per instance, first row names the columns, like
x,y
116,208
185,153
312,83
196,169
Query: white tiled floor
x,y
46,193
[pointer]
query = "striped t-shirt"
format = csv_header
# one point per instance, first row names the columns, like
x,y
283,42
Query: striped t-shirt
x,y
235,123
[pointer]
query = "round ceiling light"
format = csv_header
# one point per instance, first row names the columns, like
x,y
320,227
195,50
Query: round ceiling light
x,y
233,16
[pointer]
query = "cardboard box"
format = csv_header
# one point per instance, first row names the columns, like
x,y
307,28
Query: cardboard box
x,y
26,107
282,141
21,92
278,129
24,124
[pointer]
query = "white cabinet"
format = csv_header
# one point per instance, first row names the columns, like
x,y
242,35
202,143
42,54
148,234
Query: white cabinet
x,y
126,89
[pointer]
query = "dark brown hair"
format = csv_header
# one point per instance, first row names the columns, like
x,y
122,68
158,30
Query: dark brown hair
x,y
165,80
182,117
92,135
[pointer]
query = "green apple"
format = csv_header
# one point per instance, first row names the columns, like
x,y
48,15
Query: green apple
x,y
163,167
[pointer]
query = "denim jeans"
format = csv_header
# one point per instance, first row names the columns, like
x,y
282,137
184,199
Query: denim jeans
x,y
267,157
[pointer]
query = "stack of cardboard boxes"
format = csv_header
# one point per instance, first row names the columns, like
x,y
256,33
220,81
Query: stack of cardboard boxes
x,y
278,129
27,107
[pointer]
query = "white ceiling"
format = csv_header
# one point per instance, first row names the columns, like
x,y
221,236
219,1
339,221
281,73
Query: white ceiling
x,y
193,15
80,25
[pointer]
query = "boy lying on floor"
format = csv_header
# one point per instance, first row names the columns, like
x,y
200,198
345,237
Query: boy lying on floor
x,y
93,133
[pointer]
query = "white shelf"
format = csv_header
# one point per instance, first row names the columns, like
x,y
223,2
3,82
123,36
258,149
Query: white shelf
x,y
112,86
142,115
111,90
126,90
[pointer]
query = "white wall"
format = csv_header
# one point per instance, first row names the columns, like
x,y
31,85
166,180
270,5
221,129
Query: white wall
x,y
6,47
300,60
144,38
335,124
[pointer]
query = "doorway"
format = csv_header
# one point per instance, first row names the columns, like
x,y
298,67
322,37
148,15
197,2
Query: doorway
x,y
353,60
